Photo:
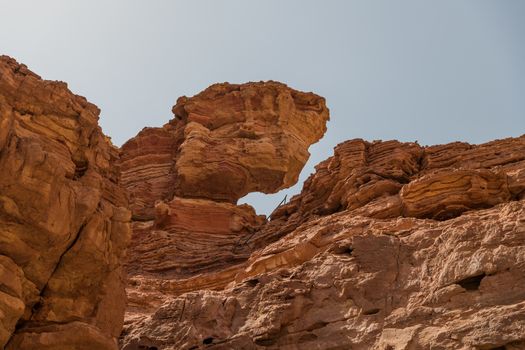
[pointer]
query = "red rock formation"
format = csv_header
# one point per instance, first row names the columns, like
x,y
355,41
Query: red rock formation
x,y
189,236
64,224
185,178
223,143
345,281
424,182
147,168
245,138
389,246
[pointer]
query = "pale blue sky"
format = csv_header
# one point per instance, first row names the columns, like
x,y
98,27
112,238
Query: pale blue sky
x,y
432,71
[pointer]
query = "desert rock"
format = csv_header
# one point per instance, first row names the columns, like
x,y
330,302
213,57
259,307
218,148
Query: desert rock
x,y
224,143
64,222
344,282
185,178
390,245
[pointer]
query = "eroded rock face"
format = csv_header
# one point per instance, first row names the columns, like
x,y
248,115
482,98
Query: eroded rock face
x,y
389,246
64,225
388,179
185,178
224,143
245,138
189,236
355,282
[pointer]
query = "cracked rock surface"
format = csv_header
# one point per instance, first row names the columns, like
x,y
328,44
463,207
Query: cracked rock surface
x,y
389,245
64,222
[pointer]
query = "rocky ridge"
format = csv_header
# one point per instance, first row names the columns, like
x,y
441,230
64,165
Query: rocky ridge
x,y
390,245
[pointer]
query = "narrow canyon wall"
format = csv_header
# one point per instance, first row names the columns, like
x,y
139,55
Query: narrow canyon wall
x,y
64,225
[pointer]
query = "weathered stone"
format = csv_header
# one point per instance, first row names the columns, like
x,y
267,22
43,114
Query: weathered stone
x,y
189,236
389,246
448,193
185,178
245,138
63,222
225,142
353,282
362,174
147,168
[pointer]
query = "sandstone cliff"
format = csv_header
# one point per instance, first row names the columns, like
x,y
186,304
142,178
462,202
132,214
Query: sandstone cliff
x,y
224,143
390,245
185,178
64,225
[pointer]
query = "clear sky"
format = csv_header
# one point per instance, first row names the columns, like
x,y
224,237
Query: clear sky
x,y
432,71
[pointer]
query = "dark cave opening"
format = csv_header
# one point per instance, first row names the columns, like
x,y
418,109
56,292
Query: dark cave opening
x,y
471,283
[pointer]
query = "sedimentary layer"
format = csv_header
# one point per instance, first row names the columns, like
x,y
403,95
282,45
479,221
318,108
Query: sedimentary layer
x,y
185,178
390,245
64,225
225,142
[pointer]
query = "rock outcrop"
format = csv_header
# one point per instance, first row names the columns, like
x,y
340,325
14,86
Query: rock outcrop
x,y
390,245
185,178
388,179
64,225
345,282
224,143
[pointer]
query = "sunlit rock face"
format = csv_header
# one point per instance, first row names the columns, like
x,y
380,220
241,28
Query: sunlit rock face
x,y
185,178
388,179
224,143
390,245
244,138
64,225
346,281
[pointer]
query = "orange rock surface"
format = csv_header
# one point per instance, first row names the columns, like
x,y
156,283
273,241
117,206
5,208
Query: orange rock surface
x,y
388,179
390,245
346,281
64,222
185,178
244,138
223,143
189,236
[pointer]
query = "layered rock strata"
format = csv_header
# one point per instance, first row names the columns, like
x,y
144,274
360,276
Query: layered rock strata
x,y
389,246
345,282
224,143
64,225
185,178
390,179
